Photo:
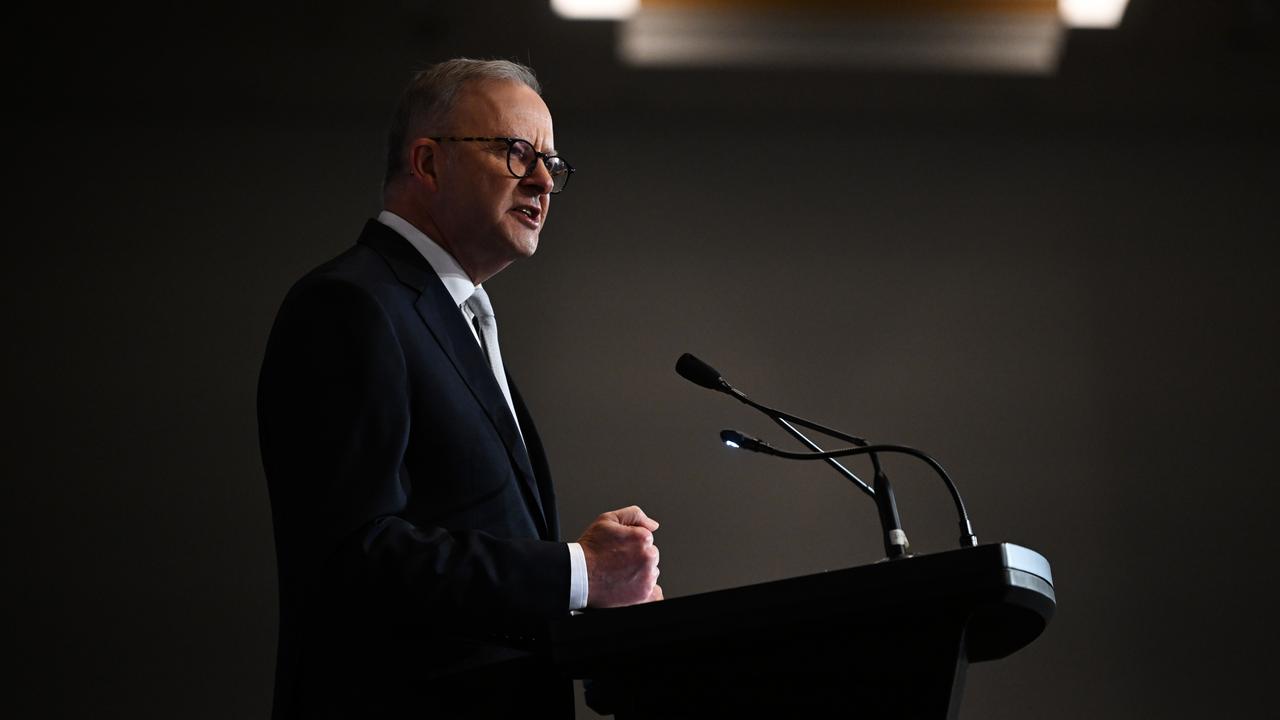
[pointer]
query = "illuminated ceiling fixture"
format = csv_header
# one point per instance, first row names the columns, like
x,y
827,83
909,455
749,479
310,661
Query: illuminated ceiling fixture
x,y
1092,13
595,9
989,36
984,36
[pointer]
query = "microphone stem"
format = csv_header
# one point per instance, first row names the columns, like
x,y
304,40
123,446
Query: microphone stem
x,y
895,540
830,461
967,536
778,414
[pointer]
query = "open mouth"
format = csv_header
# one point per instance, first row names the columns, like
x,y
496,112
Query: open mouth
x,y
530,214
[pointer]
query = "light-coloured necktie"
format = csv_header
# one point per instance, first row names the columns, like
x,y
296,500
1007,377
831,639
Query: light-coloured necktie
x,y
482,309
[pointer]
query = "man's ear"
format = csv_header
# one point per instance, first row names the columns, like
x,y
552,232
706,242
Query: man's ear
x,y
424,161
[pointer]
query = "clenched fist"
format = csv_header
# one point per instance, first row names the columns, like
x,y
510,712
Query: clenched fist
x,y
622,561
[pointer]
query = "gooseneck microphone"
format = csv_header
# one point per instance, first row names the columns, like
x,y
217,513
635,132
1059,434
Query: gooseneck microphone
x,y
895,539
735,439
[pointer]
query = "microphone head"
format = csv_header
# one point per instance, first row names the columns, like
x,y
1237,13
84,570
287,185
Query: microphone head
x,y
737,440
733,438
700,373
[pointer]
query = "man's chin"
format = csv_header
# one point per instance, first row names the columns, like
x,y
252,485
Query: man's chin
x,y
525,246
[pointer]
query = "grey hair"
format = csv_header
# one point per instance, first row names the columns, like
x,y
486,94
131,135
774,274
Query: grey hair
x,y
430,96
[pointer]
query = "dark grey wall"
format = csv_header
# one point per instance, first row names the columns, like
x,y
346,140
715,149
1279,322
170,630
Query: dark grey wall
x,y
1063,289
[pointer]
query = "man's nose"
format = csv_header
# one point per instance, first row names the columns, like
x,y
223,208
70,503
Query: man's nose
x,y
540,179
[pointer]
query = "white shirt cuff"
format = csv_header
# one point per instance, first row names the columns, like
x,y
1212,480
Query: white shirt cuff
x,y
577,577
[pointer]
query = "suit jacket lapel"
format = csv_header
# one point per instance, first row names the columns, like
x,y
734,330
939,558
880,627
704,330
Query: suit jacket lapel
x,y
538,458
444,320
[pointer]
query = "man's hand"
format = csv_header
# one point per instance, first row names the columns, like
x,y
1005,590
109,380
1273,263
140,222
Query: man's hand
x,y
622,561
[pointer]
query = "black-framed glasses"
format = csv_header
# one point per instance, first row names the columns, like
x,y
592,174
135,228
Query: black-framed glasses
x,y
522,159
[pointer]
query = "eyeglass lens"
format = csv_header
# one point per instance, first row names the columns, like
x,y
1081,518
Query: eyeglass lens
x,y
520,159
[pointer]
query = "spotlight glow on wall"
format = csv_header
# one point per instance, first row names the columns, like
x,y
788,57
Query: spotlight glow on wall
x,y
595,9
1092,13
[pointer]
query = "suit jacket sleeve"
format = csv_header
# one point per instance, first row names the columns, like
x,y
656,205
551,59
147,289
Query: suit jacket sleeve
x,y
334,423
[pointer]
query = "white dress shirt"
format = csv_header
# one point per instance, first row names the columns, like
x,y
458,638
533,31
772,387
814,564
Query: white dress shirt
x,y
460,288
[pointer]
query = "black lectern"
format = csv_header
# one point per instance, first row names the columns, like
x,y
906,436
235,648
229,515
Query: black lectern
x,y
887,640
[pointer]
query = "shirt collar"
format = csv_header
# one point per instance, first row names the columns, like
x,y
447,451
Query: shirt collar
x,y
455,279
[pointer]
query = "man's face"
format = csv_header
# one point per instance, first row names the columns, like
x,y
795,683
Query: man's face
x,y
486,217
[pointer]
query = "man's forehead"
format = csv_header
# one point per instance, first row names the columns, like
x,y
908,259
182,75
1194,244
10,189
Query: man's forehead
x,y
502,106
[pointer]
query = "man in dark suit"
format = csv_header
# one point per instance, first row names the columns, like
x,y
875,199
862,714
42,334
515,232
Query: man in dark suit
x,y
415,519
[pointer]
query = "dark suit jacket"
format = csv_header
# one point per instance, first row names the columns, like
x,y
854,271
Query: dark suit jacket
x,y
415,535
